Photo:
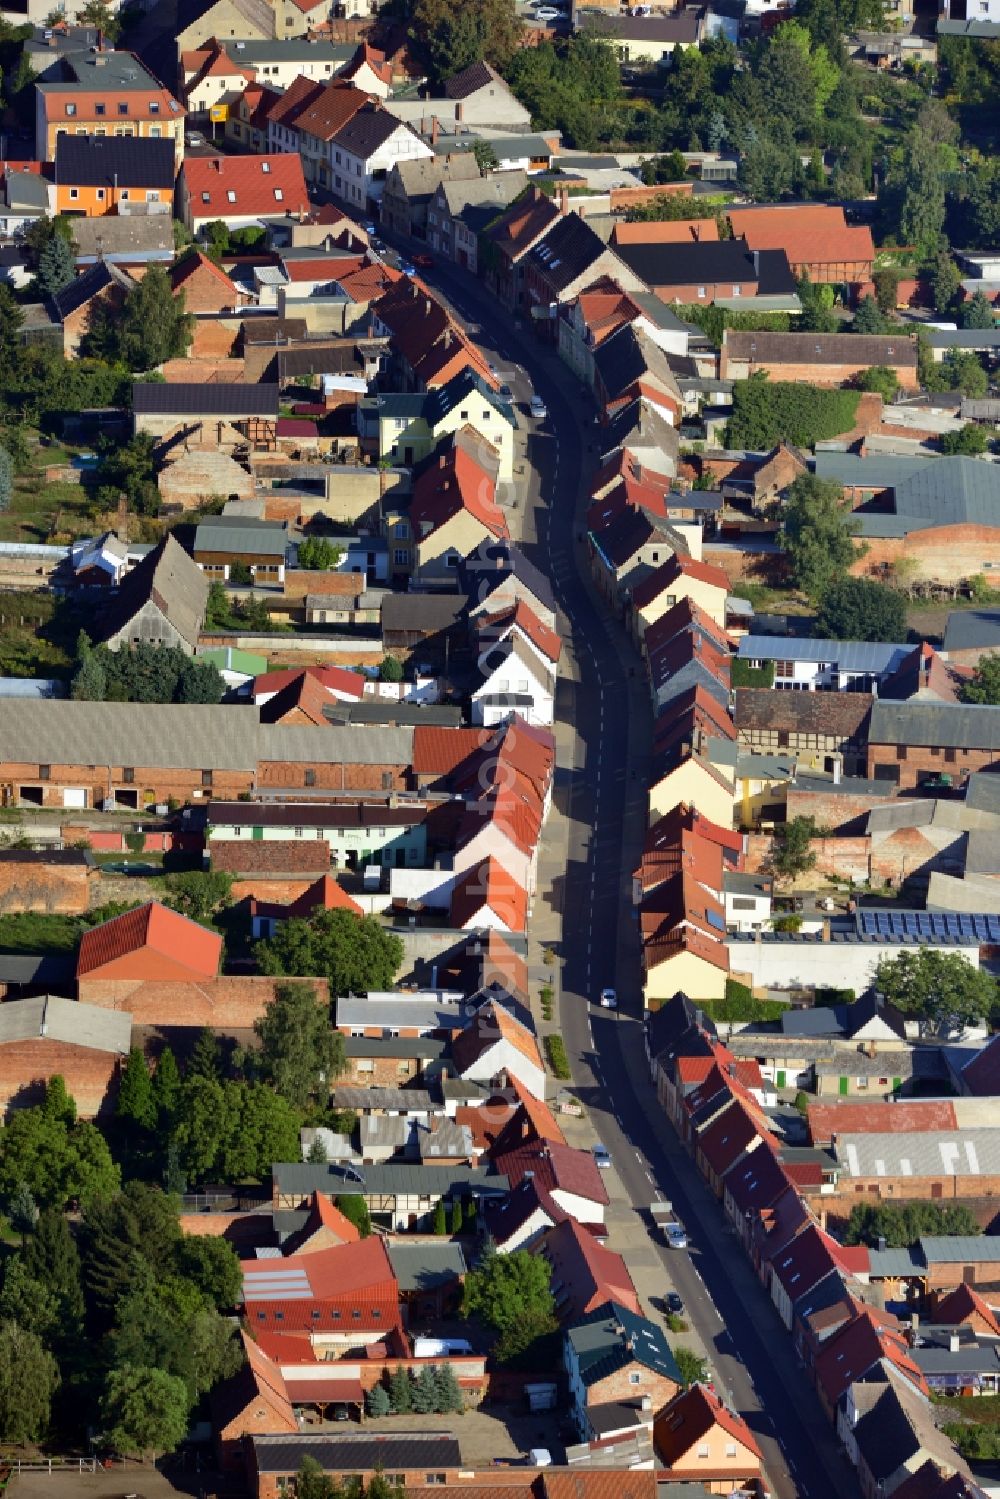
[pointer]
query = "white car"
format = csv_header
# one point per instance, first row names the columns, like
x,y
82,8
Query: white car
x,y
538,408
609,999
549,13
601,1157
676,1236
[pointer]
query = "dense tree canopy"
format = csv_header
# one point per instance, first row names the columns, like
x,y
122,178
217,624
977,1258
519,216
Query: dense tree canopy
x,y
766,412
858,609
59,1159
148,328
901,1224
512,1294
355,953
300,1052
816,533
144,673
984,685
452,35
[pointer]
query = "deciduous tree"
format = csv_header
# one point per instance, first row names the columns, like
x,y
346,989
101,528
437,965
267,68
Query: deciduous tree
x,y
942,990
354,953
144,1411
859,609
29,1376
512,1294
300,1053
816,533
984,685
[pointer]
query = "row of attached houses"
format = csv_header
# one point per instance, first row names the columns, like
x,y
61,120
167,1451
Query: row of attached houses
x,y
870,1373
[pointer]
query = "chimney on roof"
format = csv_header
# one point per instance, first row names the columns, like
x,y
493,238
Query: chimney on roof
x,y
826,929
427,306
880,1246
756,262
435,130
564,200
458,114
953,1342
442,461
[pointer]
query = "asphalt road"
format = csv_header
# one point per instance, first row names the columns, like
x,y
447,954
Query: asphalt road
x,y
603,697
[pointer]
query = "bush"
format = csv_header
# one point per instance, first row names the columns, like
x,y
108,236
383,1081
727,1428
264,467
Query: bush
x,y
801,1102
555,1049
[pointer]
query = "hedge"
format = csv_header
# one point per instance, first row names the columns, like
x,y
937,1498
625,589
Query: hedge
x,y
766,412
559,1062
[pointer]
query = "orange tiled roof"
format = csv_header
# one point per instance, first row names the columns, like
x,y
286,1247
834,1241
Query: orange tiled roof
x,y
689,1418
815,232
666,232
152,936
489,884
453,483
230,187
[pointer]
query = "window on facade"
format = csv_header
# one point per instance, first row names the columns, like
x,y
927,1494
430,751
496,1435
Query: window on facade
x,y
635,1379
123,109
128,774
74,193
356,1314
784,668
309,778
100,195
730,1449
900,751
44,772
401,556
950,757
206,197
100,109
206,779
279,196
125,194
782,738
155,131
265,166
71,109
154,106
436,1477
701,291
703,1450
387,780
231,196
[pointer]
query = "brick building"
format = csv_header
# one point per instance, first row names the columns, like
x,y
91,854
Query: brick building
x,y
814,727
414,1459
612,1356
816,238
53,880
48,1035
58,753
817,358
280,860
702,273
912,742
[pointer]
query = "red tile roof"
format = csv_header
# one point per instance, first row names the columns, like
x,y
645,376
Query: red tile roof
x,y
678,567
689,1418
683,616
322,267
982,1075
816,233
963,1305
254,181
325,110
151,942
851,1353
523,224
825,1120
666,232
350,1278
197,261
554,1168
336,679
585,1274
488,887
441,751
304,696
522,617
756,1182
324,894
452,483
730,1137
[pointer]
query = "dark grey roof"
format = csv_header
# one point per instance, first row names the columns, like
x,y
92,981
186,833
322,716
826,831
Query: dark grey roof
x,y
374,712
88,285
500,560
470,80
424,1267
972,629
421,1048
196,398
980,30
110,161
172,580
302,1179
64,856
369,129
349,1452
942,725
983,792
567,251
444,398
139,236
312,814
429,612
611,1337
699,263
38,971
819,1020
681,28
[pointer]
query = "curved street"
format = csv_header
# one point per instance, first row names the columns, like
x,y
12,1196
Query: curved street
x,y
592,843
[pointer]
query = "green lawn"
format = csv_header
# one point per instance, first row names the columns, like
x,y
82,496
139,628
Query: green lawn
x,y
44,511
35,932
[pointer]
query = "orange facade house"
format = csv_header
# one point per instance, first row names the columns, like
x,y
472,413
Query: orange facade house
x,y
104,94
97,175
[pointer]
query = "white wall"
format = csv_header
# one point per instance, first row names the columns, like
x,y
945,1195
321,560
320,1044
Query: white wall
x,y
792,964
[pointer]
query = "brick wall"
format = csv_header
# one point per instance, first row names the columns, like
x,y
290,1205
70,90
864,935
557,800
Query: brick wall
x,y
226,1004
809,374
276,774
45,887
942,554
214,338
26,1066
846,858
743,564
152,783
921,761
385,1072
889,1188
281,892
835,813
628,197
